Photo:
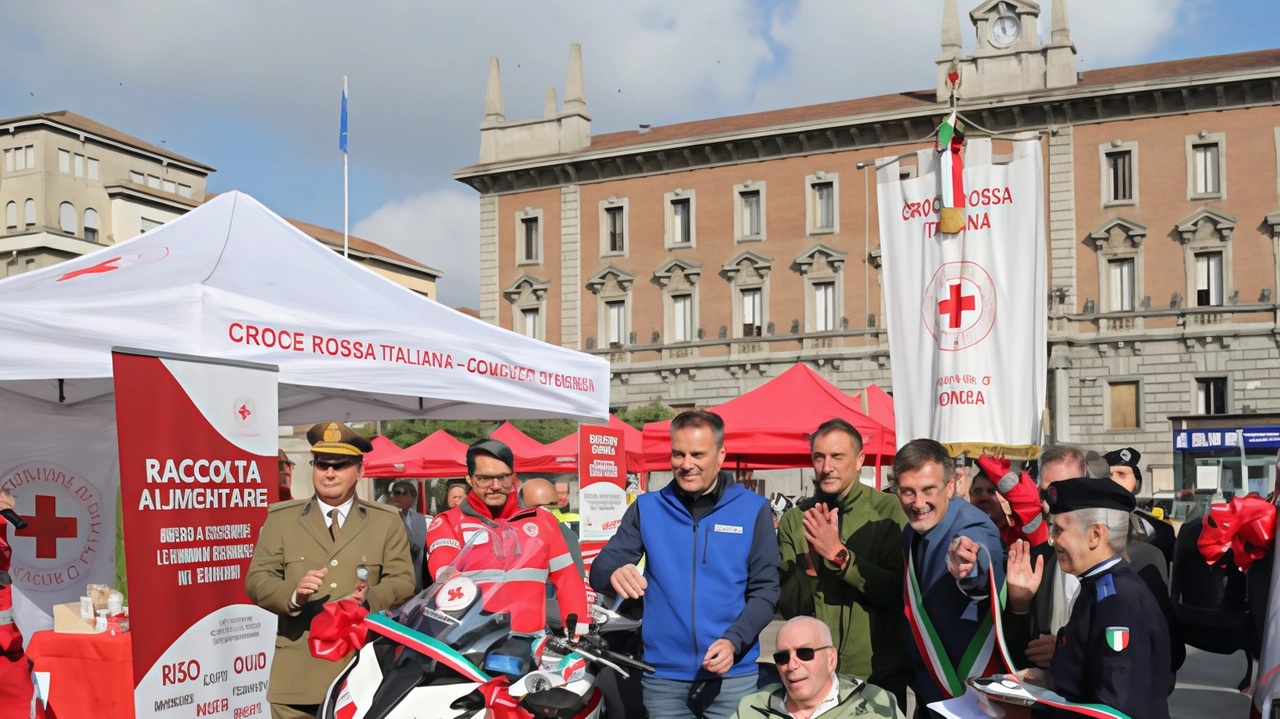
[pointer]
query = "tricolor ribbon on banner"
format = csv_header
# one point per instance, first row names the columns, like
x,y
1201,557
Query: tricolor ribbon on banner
x,y
342,627
951,174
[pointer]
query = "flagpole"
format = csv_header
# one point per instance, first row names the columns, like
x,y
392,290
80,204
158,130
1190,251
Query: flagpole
x,y
345,215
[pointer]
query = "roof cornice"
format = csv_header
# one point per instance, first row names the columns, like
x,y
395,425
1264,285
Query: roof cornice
x,y
192,166
1078,105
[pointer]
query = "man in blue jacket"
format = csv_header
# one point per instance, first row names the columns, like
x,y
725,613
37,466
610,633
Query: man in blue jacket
x,y
710,582
949,548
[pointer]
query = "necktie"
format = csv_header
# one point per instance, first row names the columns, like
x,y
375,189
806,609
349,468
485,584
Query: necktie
x,y
333,524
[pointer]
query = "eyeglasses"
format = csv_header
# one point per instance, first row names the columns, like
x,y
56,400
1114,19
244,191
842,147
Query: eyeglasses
x,y
804,654
324,464
486,480
400,493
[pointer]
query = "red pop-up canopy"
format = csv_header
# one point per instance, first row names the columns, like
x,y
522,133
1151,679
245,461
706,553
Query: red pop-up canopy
x,y
437,455
531,455
768,427
567,449
383,449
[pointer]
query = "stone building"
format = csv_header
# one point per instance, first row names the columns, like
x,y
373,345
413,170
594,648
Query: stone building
x,y
70,185
704,257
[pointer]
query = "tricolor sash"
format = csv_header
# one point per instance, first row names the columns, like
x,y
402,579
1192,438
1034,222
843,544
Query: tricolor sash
x,y
980,658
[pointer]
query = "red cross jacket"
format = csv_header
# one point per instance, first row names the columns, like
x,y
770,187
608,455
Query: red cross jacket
x,y
517,588
15,671
1023,497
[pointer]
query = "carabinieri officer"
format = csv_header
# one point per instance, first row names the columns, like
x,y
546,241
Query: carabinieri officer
x,y
1114,649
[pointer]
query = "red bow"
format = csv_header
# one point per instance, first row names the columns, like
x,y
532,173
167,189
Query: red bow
x,y
1245,525
499,701
338,630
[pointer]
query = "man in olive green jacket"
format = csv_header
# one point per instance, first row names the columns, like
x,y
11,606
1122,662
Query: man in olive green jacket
x,y
810,687
842,561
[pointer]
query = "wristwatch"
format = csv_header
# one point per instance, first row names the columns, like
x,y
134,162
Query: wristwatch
x,y
842,559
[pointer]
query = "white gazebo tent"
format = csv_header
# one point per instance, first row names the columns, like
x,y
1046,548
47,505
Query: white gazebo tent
x,y
233,280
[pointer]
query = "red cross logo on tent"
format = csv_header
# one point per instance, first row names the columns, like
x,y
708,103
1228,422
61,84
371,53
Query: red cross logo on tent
x,y
47,527
146,257
955,305
959,305
104,266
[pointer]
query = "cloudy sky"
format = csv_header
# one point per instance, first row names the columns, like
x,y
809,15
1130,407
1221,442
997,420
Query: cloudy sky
x,y
252,87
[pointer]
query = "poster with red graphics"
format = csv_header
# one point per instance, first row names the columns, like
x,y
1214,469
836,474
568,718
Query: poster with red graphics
x,y
198,466
602,483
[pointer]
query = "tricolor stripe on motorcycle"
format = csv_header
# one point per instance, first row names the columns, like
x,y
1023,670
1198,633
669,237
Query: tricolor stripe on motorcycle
x,y
428,646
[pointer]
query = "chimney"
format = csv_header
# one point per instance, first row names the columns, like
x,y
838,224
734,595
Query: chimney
x,y
549,104
493,94
575,100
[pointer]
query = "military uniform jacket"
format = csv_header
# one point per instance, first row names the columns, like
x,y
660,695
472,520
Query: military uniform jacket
x,y
295,540
1115,648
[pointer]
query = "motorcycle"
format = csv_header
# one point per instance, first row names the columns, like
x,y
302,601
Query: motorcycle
x,y
449,653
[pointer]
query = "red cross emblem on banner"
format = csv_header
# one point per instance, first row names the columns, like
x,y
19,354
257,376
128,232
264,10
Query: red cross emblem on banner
x,y
47,527
955,305
959,307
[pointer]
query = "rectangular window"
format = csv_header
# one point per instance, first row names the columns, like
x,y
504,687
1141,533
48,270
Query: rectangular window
x,y
530,239
30,152
824,206
681,222
1124,405
150,224
1211,395
170,186
1209,279
64,161
8,160
79,165
137,177
751,214
530,323
752,319
682,317
824,306
1120,176
1205,158
93,169
153,182
1121,285
613,218
616,319
184,191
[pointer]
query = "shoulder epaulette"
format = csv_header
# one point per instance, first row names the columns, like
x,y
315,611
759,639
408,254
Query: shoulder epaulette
x,y
287,504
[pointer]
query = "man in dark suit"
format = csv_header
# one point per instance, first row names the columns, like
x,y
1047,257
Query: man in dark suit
x,y
950,548
404,496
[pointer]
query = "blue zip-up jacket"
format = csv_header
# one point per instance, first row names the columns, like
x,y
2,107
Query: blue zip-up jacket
x,y
716,578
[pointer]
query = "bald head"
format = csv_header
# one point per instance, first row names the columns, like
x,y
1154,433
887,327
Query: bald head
x,y
805,631
538,493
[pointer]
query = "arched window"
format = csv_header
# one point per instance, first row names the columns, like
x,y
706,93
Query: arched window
x,y
91,224
30,211
67,218
11,215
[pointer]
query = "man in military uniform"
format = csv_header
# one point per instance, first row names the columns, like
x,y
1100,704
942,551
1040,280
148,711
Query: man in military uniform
x,y
308,553
1114,650
806,662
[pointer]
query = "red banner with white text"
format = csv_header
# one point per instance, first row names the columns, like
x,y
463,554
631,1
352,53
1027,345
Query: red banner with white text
x,y
602,480
198,466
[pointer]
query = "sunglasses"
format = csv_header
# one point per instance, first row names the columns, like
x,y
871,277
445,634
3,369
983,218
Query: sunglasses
x,y
804,654
401,493
323,464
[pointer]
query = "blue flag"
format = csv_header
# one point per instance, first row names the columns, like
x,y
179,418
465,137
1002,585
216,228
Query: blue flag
x,y
342,129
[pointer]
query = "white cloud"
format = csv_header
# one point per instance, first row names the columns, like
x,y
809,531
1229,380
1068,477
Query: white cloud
x,y
440,228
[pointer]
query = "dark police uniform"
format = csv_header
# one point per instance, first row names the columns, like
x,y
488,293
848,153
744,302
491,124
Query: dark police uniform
x,y
1114,650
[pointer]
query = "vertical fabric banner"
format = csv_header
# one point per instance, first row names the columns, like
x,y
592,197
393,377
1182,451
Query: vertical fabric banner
x,y
966,312
602,482
197,468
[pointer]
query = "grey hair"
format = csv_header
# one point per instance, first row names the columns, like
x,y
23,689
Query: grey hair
x,y
824,632
1115,520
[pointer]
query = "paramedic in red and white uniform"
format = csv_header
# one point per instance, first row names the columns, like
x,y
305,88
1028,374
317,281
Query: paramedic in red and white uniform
x,y
492,503
15,670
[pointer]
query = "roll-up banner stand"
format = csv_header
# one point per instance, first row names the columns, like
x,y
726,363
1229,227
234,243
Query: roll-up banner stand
x,y
198,442
602,481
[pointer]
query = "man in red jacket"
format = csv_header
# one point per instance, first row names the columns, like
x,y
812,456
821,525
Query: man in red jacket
x,y
491,504
15,670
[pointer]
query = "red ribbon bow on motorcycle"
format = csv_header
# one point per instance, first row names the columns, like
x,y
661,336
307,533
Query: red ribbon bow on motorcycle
x,y
1245,525
338,630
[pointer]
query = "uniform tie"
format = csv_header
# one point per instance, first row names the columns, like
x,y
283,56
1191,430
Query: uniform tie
x,y
333,524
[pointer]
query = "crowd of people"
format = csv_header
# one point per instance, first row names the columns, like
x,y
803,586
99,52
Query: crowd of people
x,y
883,591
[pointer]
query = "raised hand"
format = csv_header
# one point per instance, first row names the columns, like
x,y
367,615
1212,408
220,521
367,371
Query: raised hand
x,y
1022,579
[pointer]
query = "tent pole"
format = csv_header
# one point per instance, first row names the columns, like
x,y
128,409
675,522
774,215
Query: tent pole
x,y
878,455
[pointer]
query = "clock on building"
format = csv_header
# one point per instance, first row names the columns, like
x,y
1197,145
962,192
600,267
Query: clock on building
x,y
1005,30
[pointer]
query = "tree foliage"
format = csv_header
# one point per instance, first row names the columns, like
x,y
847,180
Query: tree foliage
x,y
637,417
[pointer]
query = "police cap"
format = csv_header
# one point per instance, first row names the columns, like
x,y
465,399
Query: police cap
x,y
1070,495
337,438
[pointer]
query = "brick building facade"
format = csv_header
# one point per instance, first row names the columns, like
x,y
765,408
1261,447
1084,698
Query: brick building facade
x,y
702,258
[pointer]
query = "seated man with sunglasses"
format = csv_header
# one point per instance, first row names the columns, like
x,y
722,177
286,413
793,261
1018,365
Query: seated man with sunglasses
x,y
810,687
